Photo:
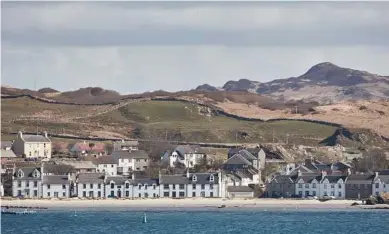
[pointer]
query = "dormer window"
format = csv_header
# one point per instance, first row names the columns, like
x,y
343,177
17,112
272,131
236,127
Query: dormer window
x,y
194,178
211,178
35,173
20,174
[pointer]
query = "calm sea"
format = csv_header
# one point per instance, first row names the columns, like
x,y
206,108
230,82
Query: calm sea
x,y
195,221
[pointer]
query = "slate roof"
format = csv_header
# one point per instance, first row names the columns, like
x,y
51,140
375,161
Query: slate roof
x,y
117,145
237,159
117,179
233,151
54,168
360,179
79,164
247,155
108,159
188,149
35,138
27,171
334,179
120,154
55,179
202,178
281,179
91,178
6,144
174,179
144,181
384,176
7,154
239,189
308,178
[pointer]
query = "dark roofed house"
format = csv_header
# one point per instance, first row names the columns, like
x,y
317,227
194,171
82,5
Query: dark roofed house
x,y
56,186
107,164
32,146
26,182
381,182
359,186
90,185
240,192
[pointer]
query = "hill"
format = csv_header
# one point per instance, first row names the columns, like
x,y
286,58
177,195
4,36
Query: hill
x,y
324,83
172,120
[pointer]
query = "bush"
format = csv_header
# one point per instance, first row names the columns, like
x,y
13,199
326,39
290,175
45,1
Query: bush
x,y
363,107
371,201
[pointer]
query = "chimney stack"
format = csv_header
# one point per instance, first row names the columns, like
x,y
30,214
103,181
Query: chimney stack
x,y
299,173
187,173
323,173
45,133
133,176
20,135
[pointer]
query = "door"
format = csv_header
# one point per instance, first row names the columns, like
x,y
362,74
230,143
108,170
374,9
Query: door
x,y
174,194
119,193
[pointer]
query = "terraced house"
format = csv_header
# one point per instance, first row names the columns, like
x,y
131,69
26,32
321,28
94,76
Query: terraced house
x,y
27,182
56,186
90,185
128,161
381,182
124,187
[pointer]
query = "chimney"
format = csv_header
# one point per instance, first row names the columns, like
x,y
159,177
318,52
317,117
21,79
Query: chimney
x,y
122,140
348,171
323,173
308,161
45,133
375,174
187,173
299,173
133,176
20,135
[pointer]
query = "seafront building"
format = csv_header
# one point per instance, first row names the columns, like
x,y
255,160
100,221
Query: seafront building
x,y
32,146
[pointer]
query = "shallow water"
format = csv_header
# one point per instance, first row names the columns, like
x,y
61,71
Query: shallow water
x,y
200,221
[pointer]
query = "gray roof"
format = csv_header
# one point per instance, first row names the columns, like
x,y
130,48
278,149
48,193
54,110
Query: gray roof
x,y
239,189
27,171
7,154
5,144
117,179
247,155
334,178
188,149
35,138
384,176
144,181
130,155
108,159
308,178
360,179
57,168
174,179
55,179
91,178
119,144
237,159
282,179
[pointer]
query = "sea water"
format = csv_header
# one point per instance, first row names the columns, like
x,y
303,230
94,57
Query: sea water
x,y
200,221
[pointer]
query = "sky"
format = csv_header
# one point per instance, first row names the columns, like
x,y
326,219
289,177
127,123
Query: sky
x,y
136,47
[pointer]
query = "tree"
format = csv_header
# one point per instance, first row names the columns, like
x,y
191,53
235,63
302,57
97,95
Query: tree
x,y
372,160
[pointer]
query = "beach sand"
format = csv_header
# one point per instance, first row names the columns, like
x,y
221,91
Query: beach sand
x,y
179,203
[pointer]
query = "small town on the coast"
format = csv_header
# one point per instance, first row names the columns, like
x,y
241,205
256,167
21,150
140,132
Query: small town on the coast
x,y
33,167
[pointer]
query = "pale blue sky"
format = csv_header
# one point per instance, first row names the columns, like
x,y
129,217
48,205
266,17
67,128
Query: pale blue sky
x,y
137,47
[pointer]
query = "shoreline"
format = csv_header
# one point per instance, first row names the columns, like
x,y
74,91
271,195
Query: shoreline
x,y
182,203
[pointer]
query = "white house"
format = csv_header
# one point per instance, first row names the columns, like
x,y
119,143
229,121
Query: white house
x,y
107,164
90,185
56,186
125,187
321,185
381,183
187,155
26,182
32,146
128,161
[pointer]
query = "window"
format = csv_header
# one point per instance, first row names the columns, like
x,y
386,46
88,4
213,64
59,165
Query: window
x,y
202,194
154,195
140,186
139,195
44,145
90,193
166,194
154,186
84,194
138,160
306,193
99,186
27,184
174,186
193,186
91,186
35,184
332,186
182,186
99,193
211,186
146,195
63,194
84,186
203,186
211,194
332,193
325,186
339,194
63,186
313,185
112,185
313,193
194,178
127,185
127,193
145,186
19,184
119,186
377,185
211,178
19,192
306,185
48,186
301,193
48,194
193,194
35,193
300,185
112,165
145,160
339,185
166,186
182,194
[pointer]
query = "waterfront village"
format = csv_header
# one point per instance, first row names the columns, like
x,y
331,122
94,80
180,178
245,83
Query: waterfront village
x,y
30,169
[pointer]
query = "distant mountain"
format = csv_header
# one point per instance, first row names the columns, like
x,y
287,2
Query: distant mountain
x,y
206,87
48,90
324,82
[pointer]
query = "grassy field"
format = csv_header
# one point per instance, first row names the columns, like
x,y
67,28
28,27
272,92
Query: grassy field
x,y
169,120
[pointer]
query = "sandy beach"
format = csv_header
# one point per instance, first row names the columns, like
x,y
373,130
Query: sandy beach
x,y
180,203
